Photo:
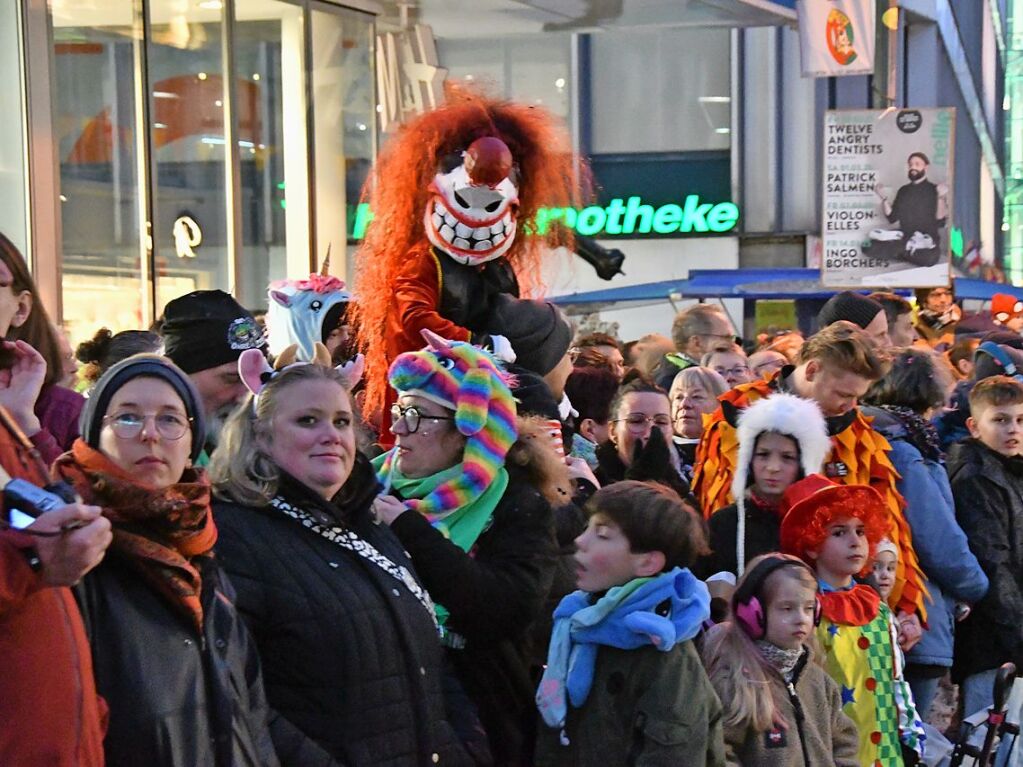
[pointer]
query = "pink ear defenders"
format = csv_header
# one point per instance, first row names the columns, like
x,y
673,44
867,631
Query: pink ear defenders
x,y
747,608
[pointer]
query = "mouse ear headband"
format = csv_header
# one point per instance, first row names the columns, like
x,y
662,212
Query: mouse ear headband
x,y
256,372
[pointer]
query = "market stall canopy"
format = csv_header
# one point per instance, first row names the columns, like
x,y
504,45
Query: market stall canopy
x,y
753,283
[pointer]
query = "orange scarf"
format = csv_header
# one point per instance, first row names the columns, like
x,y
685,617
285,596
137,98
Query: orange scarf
x,y
157,531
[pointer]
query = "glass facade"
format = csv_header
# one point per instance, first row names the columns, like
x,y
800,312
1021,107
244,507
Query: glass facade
x,y
13,211
189,155
97,142
661,90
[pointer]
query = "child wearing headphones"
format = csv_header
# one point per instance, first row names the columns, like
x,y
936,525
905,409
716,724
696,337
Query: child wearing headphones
x,y
781,708
623,682
834,529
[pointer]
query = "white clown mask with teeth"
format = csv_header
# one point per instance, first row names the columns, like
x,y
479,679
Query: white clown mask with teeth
x,y
472,212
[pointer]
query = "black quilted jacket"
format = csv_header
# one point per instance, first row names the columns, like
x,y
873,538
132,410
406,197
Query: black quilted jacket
x,y
351,659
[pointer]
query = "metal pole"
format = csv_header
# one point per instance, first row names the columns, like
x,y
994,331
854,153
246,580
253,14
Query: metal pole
x,y
893,45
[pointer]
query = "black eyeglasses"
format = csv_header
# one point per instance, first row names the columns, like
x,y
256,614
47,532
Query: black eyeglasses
x,y
128,425
412,417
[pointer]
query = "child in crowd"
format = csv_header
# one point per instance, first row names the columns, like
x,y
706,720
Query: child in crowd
x,y
623,682
780,707
986,474
886,561
833,528
782,438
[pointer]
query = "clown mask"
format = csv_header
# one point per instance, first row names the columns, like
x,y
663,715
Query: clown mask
x,y
472,212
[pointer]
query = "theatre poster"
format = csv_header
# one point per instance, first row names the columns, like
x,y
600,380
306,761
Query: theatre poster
x,y
887,198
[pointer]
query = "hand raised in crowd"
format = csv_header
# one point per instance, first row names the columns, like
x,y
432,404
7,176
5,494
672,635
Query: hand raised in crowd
x,y
579,469
387,508
652,459
67,551
21,382
910,630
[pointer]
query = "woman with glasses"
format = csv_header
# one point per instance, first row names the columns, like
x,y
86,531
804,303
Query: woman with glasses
x,y
346,631
639,445
171,655
729,362
464,503
694,394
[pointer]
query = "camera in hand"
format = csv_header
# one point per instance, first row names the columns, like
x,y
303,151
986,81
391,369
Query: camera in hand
x,y
25,502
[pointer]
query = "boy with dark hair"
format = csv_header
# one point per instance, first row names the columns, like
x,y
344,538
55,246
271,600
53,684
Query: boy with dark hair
x,y
623,682
986,473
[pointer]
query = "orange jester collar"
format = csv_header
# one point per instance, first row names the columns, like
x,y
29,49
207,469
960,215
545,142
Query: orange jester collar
x,y
859,457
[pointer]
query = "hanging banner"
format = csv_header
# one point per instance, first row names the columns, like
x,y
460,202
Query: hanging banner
x,y
836,37
887,203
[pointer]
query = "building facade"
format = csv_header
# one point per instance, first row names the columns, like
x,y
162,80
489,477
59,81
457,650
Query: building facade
x,y
165,145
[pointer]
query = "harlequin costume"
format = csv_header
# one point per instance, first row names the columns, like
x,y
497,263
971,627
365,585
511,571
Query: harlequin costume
x,y
859,456
855,633
454,197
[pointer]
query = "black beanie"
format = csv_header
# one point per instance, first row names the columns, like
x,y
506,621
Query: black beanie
x,y
91,421
537,331
850,306
208,328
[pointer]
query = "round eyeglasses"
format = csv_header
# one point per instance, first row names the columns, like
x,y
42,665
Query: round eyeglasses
x,y
128,425
412,417
637,422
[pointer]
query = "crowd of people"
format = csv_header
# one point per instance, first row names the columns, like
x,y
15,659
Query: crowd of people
x,y
677,550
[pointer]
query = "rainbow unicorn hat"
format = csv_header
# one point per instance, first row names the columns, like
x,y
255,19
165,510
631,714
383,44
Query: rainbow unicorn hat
x,y
469,381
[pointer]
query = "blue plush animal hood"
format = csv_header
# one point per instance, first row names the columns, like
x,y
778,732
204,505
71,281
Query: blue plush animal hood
x,y
662,612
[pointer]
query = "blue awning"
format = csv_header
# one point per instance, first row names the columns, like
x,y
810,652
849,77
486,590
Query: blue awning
x,y
754,283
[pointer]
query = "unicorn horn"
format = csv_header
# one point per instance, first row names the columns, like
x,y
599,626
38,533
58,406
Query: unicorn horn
x,y
435,341
325,267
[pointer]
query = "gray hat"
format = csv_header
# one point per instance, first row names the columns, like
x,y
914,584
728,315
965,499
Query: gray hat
x,y
151,365
537,331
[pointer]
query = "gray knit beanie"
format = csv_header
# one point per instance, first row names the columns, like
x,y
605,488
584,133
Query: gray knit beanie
x,y
152,366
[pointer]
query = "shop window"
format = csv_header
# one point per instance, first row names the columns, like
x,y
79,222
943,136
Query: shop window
x,y
95,118
344,121
270,72
664,90
300,163
536,69
189,151
13,219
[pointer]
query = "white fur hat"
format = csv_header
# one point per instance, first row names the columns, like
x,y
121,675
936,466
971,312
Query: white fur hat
x,y
785,414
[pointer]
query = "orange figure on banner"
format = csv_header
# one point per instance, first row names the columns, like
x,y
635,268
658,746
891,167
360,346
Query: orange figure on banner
x,y
840,37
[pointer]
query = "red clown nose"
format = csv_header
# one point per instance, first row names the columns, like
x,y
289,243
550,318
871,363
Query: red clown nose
x,y
488,161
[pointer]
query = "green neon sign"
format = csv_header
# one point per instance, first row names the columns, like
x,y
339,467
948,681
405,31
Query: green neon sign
x,y
620,218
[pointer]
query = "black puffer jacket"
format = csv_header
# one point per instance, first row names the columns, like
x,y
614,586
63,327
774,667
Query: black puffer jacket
x,y
176,699
763,532
988,492
493,595
351,658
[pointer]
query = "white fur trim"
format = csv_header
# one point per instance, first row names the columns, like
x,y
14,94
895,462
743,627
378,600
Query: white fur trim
x,y
785,414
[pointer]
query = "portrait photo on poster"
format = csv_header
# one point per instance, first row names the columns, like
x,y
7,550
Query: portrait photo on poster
x,y
887,202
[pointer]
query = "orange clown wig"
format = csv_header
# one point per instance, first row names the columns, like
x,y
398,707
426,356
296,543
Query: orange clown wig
x,y
400,189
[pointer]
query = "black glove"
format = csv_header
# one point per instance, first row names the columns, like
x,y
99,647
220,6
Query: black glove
x,y
651,462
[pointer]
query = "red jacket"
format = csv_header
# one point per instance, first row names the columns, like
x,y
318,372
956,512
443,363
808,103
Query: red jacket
x,y
50,713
